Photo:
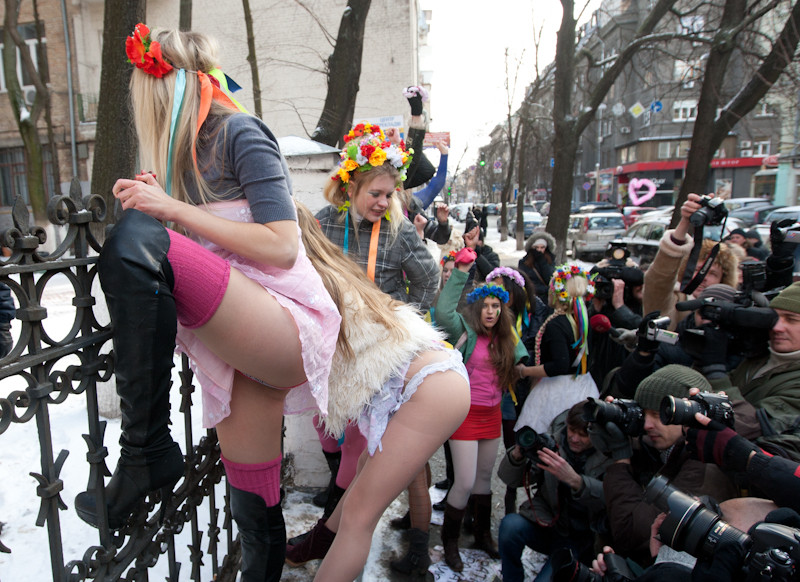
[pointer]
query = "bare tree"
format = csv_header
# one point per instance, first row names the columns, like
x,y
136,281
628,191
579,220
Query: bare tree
x,y
511,130
343,72
115,150
26,118
251,58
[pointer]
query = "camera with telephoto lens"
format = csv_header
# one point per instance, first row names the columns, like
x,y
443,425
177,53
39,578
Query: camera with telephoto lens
x,y
616,256
679,411
567,568
531,442
711,213
772,551
626,414
657,331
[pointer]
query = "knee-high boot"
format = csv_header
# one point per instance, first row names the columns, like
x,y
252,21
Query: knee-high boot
x,y
483,525
333,460
137,281
417,559
262,536
451,529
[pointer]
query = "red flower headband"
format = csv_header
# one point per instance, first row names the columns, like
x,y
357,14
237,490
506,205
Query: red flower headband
x,y
146,53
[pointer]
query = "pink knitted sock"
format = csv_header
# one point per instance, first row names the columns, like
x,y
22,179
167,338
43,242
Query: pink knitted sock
x,y
263,479
201,278
354,444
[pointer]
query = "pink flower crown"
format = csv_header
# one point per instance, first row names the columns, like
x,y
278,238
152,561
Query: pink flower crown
x,y
366,147
507,272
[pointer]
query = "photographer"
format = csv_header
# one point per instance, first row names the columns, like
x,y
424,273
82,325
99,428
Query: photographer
x,y
662,277
568,502
661,450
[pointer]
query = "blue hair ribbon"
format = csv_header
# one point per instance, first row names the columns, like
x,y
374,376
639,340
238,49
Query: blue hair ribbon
x,y
177,107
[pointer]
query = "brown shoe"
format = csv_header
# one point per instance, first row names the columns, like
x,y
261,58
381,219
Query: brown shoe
x,y
483,525
313,547
451,528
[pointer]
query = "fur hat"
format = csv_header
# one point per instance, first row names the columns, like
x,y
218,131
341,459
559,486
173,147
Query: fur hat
x,y
548,238
788,299
727,259
672,380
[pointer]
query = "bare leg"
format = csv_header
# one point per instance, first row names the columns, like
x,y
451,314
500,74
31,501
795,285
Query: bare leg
x,y
437,408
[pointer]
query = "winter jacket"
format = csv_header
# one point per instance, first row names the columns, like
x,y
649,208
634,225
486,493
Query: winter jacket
x,y
545,505
661,286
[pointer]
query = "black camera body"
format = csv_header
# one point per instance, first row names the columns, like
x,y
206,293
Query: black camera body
x,y
772,551
679,411
531,442
626,414
617,255
567,568
712,212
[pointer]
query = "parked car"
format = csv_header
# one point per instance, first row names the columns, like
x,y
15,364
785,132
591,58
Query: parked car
x,y
631,214
590,233
736,203
511,213
530,221
643,237
597,207
755,214
459,211
493,208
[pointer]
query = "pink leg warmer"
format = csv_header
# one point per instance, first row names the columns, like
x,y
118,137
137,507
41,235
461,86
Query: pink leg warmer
x,y
263,479
201,278
354,444
329,444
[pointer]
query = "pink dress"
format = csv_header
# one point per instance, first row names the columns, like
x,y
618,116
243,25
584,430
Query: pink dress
x,y
299,290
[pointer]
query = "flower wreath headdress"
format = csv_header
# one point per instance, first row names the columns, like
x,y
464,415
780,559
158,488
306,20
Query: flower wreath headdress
x,y
579,316
451,256
366,147
507,272
485,291
558,282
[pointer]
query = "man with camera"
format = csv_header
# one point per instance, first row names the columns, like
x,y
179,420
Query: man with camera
x,y
566,471
660,450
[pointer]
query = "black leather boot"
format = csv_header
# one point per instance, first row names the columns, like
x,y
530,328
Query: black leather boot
x,y
262,536
137,281
417,559
333,460
483,525
333,500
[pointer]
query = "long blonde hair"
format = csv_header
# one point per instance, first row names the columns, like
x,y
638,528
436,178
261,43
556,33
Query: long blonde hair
x,y
151,102
357,187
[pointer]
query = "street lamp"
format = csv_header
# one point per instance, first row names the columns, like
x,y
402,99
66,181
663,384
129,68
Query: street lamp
x,y
600,109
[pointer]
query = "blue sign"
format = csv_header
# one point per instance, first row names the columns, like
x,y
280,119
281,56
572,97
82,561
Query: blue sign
x,y
656,106
552,162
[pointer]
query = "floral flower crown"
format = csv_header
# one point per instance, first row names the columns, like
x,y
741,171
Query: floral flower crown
x,y
145,53
558,283
508,272
366,147
485,291
451,256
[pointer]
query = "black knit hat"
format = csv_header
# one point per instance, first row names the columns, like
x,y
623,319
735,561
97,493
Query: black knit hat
x,y
719,291
673,380
739,231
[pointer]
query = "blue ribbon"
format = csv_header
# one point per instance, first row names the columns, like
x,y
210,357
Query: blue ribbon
x,y
177,107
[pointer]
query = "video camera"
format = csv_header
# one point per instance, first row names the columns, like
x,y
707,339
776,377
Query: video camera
x,y
626,414
531,442
617,254
679,411
712,212
657,331
772,551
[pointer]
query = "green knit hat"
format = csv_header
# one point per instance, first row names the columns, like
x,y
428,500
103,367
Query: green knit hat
x,y
673,380
788,299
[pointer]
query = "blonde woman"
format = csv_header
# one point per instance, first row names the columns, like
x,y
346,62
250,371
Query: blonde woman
x,y
559,372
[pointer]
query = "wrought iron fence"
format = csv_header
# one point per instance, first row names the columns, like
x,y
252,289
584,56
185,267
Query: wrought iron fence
x,y
46,368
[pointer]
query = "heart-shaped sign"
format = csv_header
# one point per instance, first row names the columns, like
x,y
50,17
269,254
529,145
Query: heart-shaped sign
x,y
633,190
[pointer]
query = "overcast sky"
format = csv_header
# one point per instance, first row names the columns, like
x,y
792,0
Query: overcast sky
x,y
468,40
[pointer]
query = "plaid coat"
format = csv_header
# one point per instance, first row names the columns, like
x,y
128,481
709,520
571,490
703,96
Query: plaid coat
x,y
404,268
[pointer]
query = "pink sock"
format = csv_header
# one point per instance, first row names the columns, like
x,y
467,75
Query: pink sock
x,y
201,278
329,444
263,479
354,444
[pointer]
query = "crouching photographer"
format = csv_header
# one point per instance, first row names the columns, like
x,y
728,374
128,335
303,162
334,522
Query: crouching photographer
x,y
561,473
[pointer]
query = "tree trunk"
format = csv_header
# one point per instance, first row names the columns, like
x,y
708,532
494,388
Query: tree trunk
x,y
251,58
185,16
115,150
344,71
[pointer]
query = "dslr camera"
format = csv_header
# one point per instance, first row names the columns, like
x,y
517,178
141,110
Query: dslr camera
x,y
679,411
626,414
617,254
772,551
531,442
712,212
567,568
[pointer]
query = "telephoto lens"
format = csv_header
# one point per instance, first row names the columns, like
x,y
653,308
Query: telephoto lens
x,y
690,526
626,414
679,411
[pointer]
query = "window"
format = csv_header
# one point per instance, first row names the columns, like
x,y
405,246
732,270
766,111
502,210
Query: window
x,y
664,149
38,55
687,72
13,180
685,110
692,24
764,109
761,148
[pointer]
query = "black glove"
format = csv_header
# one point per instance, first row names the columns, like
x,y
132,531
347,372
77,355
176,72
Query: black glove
x,y
720,445
610,440
415,101
780,249
713,361
644,344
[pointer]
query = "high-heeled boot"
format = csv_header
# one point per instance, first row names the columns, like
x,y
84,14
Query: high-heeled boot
x,y
417,559
483,525
451,530
137,280
262,536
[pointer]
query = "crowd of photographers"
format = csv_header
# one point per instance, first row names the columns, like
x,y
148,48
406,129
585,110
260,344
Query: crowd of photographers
x,y
687,466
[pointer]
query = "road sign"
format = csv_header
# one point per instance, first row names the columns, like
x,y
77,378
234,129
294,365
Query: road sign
x,y
656,106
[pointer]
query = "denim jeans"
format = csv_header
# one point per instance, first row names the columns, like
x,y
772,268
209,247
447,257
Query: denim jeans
x,y
516,532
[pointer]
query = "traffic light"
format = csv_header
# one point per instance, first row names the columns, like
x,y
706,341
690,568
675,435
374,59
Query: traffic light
x,y
449,190
482,161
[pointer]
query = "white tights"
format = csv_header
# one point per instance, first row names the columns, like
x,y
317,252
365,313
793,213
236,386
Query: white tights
x,y
473,465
